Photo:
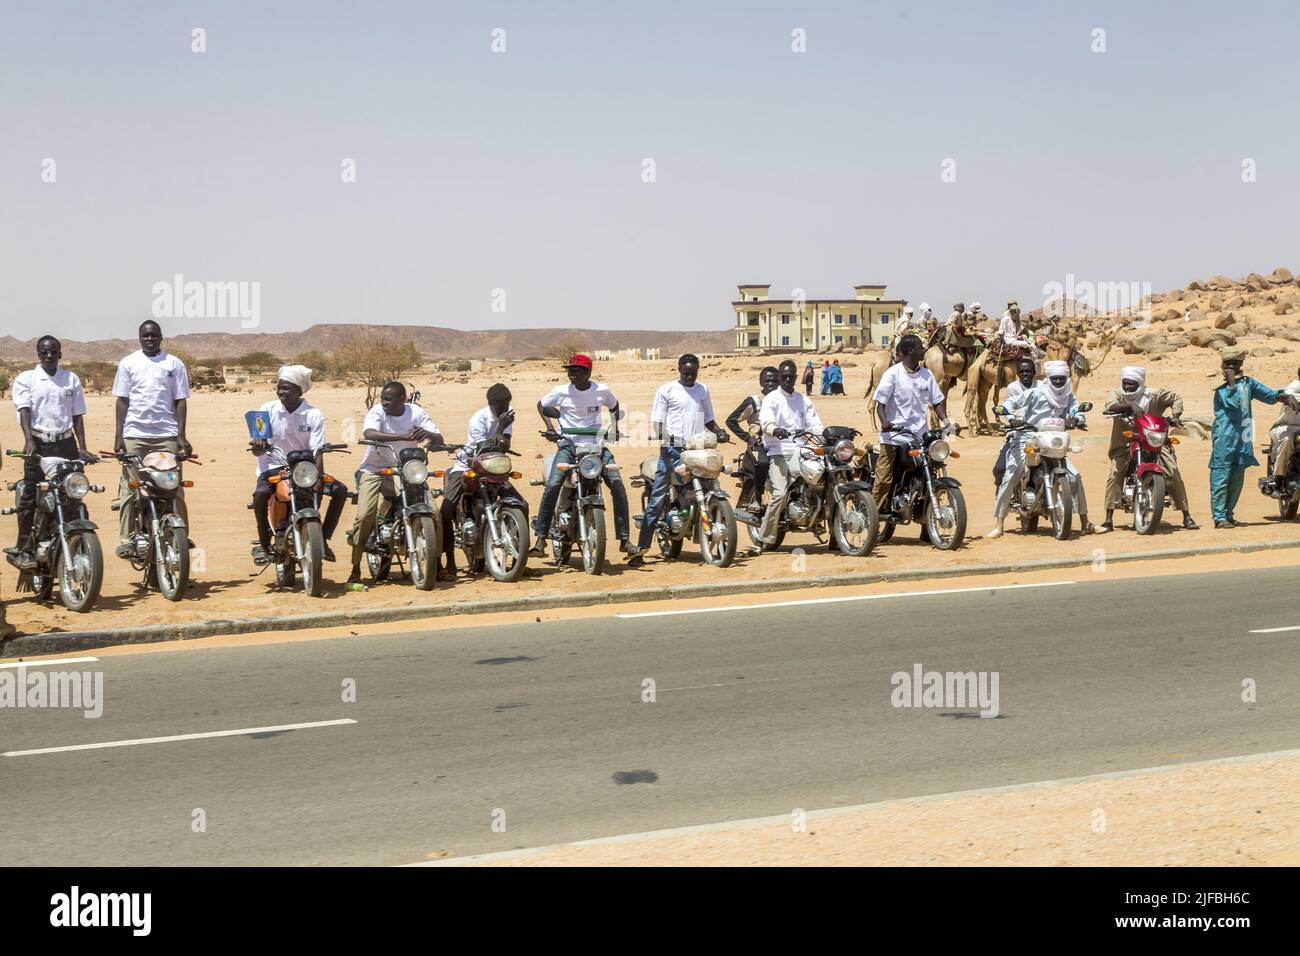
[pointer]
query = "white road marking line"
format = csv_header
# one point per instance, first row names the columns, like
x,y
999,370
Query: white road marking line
x,y
838,600
47,663
783,819
164,740
1275,630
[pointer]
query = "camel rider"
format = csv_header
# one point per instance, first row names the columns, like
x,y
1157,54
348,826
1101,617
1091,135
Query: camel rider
x,y
1282,443
958,332
904,325
1012,333
1051,398
1134,398
1026,369
957,314
741,421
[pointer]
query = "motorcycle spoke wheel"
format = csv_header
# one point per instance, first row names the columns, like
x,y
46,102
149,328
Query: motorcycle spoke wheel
x,y
81,577
947,525
857,524
507,557
174,571
593,546
718,540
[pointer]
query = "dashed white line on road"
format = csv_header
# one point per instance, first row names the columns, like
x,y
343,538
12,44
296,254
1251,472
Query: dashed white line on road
x,y
47,663
839,600
1275,630
164,740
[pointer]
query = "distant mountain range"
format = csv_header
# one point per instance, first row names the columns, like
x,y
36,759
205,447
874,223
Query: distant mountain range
x,y
432,341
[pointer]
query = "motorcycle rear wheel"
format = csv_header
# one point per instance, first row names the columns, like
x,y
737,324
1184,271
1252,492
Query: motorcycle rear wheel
x,y
1148,503
1063,514
1286,507
755,539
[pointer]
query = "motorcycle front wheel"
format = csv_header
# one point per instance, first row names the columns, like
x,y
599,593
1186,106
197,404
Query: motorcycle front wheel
x,y
857,524
718,539
1286,507
79,581
593,545
313,553
947,527
507,557
1063,511
1148,503
424,558
172,573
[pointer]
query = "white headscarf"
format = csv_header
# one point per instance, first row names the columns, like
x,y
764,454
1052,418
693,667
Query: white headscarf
x,y
299,375
974,307
1062,397
927,313
1133,373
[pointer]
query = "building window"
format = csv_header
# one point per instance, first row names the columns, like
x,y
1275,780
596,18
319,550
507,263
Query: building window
x,y
884,318
785,318
853,320
884,340
839,319
839,338
785,340
753,341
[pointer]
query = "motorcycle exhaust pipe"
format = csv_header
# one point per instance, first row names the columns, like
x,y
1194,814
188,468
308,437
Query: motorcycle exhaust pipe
x,y
748,517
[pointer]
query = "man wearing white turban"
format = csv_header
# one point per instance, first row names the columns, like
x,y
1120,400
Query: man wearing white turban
x,y
295,426
1134,398
1053,397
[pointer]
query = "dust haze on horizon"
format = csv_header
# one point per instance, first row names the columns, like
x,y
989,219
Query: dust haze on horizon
x,y
951,151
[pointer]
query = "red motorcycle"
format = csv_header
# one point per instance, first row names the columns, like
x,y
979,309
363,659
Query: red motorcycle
x,y
1143,490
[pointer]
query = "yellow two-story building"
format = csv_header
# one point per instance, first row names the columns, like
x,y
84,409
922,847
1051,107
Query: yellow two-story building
x,y
795,325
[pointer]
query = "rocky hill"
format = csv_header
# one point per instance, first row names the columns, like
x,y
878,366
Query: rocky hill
x,y
432,341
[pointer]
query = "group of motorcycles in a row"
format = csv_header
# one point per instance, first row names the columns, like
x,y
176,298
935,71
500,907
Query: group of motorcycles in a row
x,y
831,499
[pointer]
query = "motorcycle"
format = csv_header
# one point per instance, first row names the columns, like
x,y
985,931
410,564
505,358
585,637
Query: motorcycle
x,y
1144,481
925,486
827,494
160,538
298,541
1285,488
407,525
580,510
696,507
1045,488
491,528
67,548
749,500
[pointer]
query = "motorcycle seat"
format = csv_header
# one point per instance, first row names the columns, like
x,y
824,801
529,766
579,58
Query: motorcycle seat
x,y
649,468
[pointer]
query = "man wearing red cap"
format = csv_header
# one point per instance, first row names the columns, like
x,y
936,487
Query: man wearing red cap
x,y
578,405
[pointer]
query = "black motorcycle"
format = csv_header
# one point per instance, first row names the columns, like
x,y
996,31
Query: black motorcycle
x,y
407,526
580,509
67,548
160,546
1285,488
923,490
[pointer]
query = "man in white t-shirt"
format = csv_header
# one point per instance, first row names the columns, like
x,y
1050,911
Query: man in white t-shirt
x,y
903,399
490,427
681,410
295,426
578,405
399,424
784,412
152,387
50,407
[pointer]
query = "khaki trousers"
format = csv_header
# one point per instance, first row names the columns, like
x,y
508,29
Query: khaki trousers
x,y
370,496
1173,480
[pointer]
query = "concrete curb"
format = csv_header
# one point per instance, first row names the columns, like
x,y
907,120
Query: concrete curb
x,y
61,642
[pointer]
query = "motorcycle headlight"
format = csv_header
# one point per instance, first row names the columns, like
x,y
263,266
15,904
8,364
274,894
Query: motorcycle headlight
x,y
76,485
165,480
415,472
939,450
306,474
844,451
1154,438
590,467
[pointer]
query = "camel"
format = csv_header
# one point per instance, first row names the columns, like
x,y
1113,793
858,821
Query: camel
x,y
1062,346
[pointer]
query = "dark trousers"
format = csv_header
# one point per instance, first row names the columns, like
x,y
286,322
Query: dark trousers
x,y
1000,468
32,476
453,490
336,491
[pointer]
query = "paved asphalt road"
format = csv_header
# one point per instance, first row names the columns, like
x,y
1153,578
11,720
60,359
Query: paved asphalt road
x,y
757,712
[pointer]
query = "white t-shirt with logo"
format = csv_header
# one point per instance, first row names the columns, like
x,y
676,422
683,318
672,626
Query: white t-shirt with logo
x,y
682,412
482,426
907,397
793,412
413,416
300,430
54,400
580,408
152,387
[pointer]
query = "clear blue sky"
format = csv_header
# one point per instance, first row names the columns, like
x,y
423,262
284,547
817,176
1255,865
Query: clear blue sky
x,y
522,170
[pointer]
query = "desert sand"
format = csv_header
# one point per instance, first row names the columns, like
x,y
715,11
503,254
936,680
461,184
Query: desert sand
x,y
226,584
